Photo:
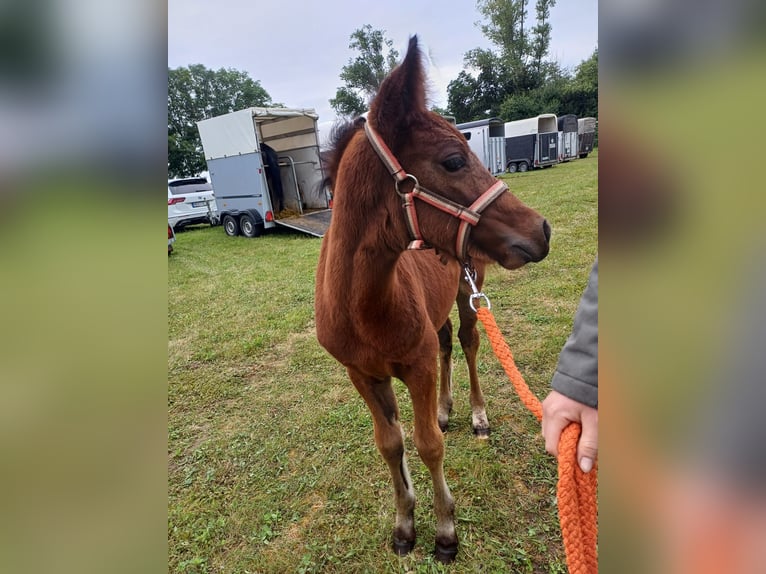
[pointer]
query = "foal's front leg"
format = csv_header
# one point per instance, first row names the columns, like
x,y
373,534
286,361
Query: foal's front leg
x,y
429,440
389,438
469,341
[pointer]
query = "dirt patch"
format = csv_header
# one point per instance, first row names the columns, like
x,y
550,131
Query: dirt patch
x,y
278,356
180,350
295,536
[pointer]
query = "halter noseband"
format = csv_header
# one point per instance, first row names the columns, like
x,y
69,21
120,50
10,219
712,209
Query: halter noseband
x,y
467,215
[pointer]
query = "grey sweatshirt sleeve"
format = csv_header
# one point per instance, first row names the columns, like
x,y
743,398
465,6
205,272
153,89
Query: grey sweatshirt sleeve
x,y
576,374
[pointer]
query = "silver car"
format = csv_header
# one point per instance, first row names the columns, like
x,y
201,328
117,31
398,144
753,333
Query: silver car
x,y
191,200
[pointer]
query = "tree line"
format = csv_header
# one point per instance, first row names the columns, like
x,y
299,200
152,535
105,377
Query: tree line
x,y
514,79
517,79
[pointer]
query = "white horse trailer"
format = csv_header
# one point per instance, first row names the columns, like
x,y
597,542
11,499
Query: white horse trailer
x,y
586,134
568,144
486,138
265,168
531,143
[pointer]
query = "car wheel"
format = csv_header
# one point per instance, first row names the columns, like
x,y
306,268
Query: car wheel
x,y
230,226
523,167
511,168
249,227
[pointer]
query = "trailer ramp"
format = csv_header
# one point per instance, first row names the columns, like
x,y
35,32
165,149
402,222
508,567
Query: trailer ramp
x,y
314,223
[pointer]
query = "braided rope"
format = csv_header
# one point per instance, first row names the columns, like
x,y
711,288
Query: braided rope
x,y
576,491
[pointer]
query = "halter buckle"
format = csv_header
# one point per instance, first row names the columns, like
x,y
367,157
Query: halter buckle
x,y
469,274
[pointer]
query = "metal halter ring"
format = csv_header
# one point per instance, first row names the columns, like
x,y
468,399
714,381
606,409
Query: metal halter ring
x,y
406,177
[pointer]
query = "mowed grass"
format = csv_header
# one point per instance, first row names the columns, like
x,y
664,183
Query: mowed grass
x,y
272,466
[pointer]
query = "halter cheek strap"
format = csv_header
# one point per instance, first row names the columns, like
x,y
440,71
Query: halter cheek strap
x,y
497,189
468,216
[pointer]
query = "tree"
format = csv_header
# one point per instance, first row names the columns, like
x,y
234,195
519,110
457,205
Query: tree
x,y
541,36
517,107
196,93
471,98
580,96
521,52
504,26
463,96
545,99
586,73
364,74
516,68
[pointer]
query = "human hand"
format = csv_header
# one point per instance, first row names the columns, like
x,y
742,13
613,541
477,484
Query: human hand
x,y
558,411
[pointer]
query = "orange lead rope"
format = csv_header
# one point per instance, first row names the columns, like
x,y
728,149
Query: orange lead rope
x,y
576,492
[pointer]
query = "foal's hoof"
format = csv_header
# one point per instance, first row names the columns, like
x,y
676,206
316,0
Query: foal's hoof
x,y
445,553
403,547
482,433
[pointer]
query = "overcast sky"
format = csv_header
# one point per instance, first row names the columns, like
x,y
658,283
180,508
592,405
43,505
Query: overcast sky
x,y
296,48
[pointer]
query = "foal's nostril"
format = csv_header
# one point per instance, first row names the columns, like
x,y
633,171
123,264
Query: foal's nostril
x,y
546,230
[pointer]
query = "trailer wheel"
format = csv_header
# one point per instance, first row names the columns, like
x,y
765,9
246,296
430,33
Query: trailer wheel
x,y
523,167
511,168
230,226
249,227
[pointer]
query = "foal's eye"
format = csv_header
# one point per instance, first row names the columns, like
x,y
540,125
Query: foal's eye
x,y
454,163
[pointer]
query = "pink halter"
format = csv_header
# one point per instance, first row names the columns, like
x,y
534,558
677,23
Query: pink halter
x,y
467,215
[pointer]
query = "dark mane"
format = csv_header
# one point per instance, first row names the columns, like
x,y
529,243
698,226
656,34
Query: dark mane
x,y
342,133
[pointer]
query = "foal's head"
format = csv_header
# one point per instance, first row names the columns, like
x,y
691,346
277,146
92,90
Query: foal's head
x,y
436,153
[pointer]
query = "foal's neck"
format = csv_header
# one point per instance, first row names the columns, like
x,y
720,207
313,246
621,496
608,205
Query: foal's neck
x,y
369,234
368,241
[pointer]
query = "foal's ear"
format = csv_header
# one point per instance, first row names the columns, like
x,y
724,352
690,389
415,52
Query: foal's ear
x,y
401,96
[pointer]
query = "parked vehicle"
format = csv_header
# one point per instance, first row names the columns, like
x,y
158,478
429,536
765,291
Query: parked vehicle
x,y
486,138
191,200
568,140
265,166
171,239
586,134
531,143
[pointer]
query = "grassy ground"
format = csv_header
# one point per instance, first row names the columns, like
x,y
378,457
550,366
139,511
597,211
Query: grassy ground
x,y
271,462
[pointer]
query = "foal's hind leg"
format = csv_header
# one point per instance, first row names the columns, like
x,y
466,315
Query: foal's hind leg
x,y
445,374
380,398
469,341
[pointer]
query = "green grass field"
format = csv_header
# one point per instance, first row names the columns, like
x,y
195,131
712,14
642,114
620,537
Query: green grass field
x,y
272,466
